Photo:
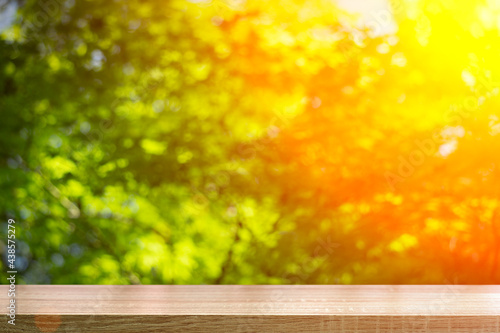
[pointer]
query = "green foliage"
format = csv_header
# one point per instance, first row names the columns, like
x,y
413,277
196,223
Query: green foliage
x,y
185,143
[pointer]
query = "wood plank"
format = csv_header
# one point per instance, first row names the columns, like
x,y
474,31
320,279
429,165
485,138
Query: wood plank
x,y
229,308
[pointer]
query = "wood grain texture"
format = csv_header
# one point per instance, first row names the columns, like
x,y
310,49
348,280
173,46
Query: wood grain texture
x,y
78,308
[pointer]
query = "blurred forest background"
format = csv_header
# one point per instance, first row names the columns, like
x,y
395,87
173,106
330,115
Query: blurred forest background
x,y
251,142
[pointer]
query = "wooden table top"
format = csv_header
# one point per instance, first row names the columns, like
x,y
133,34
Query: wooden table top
x,y
261,308
257,299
